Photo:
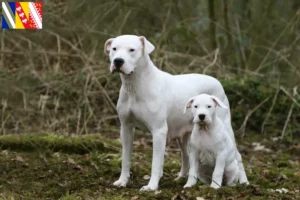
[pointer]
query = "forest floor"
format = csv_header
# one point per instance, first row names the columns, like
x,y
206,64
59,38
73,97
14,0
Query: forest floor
x,y
39,166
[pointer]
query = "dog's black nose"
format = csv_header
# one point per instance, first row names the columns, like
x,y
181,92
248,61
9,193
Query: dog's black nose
x,y
202,117
118,62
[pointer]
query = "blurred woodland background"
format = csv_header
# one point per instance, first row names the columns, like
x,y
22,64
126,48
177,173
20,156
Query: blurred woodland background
x,y
57,80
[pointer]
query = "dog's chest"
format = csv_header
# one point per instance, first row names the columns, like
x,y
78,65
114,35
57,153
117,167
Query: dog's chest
x,y
207,157
139,113
205,147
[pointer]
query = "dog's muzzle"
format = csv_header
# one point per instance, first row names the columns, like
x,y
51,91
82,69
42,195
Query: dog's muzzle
x,y
118,63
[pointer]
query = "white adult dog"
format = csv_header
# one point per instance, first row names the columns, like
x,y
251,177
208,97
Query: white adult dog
x,y
152,100
212,150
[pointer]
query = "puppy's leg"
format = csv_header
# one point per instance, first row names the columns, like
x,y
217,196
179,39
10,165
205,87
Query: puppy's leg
x,y
218,173
127,133
194,168
184,156
242,174
232,173
159,146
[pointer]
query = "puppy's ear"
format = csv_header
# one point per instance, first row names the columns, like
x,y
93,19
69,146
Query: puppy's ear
x,y
218,102
107,46
188,104
147,46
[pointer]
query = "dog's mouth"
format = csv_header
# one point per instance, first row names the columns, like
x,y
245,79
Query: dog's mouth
x,y
202,123
120,71
203,126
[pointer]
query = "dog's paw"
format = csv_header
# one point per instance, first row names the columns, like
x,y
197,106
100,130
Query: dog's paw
x,y
120,183
190,184
245,183
149,188
215,186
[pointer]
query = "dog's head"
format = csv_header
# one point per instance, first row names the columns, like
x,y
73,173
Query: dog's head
x,y
203,108
125,51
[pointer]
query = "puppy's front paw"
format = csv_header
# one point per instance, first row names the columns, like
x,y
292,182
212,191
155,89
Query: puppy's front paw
x,y
122,182
149,188
190,183
215,186
245,183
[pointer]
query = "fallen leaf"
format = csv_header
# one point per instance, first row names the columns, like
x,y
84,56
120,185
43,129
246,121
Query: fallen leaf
x,y
70,161
4,152
259,147
157,192
20,159
282,190
135,197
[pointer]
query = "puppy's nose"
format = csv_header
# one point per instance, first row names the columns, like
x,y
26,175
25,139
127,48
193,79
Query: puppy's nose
x,y
118,62
202,117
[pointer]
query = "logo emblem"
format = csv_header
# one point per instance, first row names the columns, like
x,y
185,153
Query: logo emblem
x,y
21,15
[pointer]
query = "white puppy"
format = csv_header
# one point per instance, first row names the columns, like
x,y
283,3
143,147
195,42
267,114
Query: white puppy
x,y
152,100
212,149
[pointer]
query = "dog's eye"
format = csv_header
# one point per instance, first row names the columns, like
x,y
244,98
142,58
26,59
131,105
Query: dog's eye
x,y
131,50
196,106
209,106
114,48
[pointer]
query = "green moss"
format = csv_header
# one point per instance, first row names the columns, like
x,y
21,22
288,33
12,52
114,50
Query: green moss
x,y
46,174
55,142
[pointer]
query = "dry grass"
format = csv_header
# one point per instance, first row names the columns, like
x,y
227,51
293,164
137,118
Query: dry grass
x,y
57,80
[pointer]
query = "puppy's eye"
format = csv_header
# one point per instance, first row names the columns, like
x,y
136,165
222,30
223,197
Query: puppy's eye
x,y
114,48
196,106
131,50
209,106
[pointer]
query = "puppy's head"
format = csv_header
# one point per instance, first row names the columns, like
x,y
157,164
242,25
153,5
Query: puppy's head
x,y
125,51
203,108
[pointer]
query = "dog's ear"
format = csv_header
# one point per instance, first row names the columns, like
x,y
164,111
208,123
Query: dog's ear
x,y
147,46
107,46
218,102
188,104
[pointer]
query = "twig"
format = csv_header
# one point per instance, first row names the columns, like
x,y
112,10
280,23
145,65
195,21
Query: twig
x,y
289,95
289,114
214,62
124,22
270,110
275,43
164,28
242,50
243,126
282,57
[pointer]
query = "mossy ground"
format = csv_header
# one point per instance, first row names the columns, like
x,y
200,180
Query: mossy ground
x,y
55,172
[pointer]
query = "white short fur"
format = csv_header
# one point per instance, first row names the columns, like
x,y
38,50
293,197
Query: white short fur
x,y
152,100
212,149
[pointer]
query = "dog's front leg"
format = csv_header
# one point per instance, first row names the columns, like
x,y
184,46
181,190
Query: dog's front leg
x,y
242,175
159,146
218,173
194,167
127,133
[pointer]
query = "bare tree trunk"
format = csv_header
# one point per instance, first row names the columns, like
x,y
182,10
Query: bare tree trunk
x,y
212,25
226,21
